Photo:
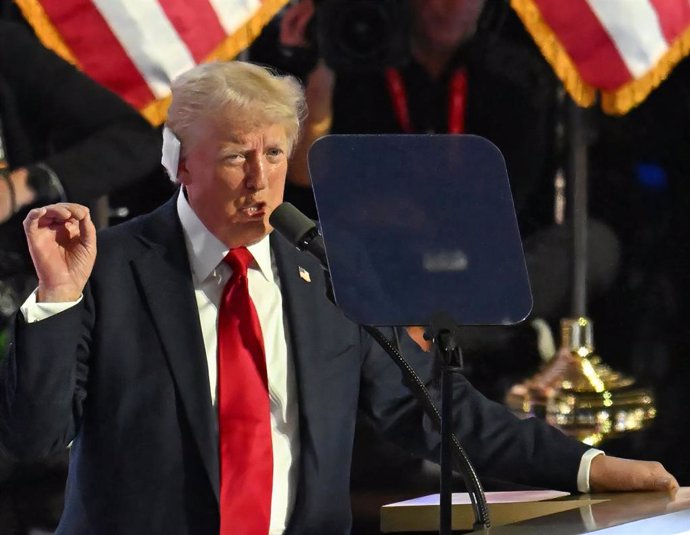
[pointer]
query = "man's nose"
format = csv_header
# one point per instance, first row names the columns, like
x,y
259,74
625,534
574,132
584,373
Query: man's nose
x,y
256,175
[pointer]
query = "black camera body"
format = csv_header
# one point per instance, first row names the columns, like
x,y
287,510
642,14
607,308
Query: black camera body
x,y
361,35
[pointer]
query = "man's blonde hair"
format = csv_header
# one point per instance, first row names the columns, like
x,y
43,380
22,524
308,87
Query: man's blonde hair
x,y
254,94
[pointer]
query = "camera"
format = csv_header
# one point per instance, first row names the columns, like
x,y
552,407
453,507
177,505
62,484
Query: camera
x,y
360,35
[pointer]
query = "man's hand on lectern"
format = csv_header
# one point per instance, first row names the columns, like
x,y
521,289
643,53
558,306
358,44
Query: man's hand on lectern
x,y
615,474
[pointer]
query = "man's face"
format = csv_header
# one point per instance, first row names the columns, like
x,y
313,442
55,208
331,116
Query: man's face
x,y
444,24
234,178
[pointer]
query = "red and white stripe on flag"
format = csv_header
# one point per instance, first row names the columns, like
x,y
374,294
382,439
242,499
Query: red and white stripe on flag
x,y
136,47
621,49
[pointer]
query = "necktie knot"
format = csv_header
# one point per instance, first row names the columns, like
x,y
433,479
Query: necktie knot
x,y
239,259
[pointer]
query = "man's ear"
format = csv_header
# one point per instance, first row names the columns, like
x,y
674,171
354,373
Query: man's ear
x,y
183,176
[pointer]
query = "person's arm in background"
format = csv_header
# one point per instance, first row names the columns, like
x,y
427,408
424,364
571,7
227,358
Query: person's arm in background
x,y
318,91
95,143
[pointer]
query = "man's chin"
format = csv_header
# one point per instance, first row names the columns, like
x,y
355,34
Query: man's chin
x,y
246,233
260,229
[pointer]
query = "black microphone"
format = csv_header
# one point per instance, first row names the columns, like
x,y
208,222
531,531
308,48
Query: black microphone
x,y
299,230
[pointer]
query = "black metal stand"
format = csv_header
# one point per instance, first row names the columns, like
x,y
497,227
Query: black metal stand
x,y
443,331
463,464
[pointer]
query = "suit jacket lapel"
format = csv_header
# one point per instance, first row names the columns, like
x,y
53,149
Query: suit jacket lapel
x,y
166,283
302,300
299,297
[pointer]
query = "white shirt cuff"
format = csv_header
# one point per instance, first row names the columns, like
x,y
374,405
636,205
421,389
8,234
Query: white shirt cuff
x,y
583,471
34,311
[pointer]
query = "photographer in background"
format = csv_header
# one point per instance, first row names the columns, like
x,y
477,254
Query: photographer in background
x,y
459,66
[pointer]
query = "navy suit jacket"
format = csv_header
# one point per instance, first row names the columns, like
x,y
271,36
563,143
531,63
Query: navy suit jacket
x,y
124,375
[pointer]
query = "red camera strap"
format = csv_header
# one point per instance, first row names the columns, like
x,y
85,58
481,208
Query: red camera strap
x,y
457,100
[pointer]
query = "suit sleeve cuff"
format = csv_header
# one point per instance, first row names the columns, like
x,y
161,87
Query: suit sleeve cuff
x,y
34,311
583,471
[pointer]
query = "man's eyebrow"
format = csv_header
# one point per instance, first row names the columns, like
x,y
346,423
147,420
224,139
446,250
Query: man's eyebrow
x,y
234,146
234,140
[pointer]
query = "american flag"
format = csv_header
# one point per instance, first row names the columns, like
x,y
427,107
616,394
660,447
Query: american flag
x,y
619,50
136,47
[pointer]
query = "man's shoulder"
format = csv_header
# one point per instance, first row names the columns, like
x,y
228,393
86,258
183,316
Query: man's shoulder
x,y
120,234
159,226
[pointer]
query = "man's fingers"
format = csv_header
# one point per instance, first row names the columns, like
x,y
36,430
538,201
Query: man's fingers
x,y
655,477
665,482
55,213
294,23
66,210
32,218
87,231
614,474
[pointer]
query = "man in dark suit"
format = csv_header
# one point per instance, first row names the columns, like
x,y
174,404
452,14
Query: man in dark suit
x,y
125,354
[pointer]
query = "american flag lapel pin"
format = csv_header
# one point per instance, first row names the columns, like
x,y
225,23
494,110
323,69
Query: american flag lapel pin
x,y
304,274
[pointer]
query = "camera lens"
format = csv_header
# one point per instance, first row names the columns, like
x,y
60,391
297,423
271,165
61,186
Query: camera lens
x,y
360,35
364,31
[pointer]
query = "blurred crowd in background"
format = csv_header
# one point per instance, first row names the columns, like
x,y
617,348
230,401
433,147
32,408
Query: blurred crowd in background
x,y
64,137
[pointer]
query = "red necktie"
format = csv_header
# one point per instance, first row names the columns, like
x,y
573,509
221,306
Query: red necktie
x,y
244,418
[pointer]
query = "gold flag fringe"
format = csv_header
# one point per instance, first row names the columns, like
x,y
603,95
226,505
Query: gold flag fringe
x,y
47,33
623,99
616,102
554,52
156,111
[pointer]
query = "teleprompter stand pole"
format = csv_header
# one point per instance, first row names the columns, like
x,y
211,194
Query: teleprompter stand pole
x,y
443,331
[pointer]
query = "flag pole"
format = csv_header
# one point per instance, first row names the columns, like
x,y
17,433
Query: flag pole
x,y
579,176
576,391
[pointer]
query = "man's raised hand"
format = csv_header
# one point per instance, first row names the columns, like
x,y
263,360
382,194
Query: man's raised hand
x,y
62,243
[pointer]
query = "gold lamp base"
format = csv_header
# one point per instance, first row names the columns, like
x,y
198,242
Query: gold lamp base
x,y
581,395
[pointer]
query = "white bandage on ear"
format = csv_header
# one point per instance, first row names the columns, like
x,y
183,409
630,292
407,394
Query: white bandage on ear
x,y
171,153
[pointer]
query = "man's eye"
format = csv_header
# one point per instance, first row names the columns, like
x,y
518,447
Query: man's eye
x,y
274,153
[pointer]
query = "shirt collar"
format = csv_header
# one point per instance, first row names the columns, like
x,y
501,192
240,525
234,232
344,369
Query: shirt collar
x,y
206,251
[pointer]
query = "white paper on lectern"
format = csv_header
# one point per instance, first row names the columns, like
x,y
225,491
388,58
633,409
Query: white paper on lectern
x,y
460,498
